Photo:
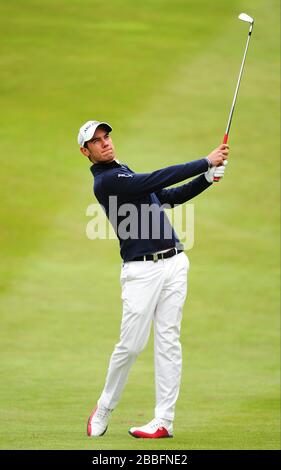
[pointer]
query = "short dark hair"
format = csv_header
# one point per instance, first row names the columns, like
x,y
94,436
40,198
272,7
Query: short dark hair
x,y
85,145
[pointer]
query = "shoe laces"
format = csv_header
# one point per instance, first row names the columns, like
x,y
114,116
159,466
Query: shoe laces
x,y
157,423
102,412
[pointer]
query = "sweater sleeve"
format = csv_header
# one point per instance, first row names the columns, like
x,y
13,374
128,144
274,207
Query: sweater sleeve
x,y
134,185
183,193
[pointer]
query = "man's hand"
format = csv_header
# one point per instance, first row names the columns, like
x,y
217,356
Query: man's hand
x,y
215,171
218,155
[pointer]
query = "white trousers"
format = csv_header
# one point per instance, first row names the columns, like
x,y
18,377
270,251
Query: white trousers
x,y
151,291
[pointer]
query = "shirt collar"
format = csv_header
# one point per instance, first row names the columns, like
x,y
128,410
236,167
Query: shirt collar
x,y
97,168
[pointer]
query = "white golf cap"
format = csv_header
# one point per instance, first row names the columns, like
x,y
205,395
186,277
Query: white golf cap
x,y
88,129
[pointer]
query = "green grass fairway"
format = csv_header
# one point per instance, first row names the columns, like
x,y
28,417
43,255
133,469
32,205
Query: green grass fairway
x,y
163,74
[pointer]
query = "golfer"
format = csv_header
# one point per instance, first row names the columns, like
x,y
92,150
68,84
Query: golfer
x,y
154,269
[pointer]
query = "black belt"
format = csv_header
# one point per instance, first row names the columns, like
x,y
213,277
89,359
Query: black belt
x,y
156,256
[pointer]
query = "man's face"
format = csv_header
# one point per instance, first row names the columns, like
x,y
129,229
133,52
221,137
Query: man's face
x,y
100,148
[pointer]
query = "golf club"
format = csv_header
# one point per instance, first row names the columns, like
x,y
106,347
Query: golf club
x,y
248,19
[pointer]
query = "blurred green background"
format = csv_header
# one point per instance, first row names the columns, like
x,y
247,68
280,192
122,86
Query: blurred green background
x,y
163,74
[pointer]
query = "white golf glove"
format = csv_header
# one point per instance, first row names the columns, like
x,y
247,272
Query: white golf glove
x,y
215,171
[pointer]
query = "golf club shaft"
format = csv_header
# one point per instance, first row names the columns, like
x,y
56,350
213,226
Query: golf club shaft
x,y
225,139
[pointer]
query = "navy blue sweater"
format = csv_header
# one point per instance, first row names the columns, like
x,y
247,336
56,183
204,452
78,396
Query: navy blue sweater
x,y
116,186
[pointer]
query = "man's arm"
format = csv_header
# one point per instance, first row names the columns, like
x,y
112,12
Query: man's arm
x,y
134,185
183,193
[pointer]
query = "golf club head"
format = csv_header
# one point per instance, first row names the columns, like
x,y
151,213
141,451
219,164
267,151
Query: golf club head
x,y
245,17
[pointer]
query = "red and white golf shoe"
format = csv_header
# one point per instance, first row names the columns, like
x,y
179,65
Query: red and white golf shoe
x,y
157,428
98,421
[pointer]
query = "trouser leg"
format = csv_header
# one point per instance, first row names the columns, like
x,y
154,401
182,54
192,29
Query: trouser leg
x,y
167,347
141,285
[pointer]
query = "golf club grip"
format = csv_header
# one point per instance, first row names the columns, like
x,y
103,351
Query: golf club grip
x,y
225,139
